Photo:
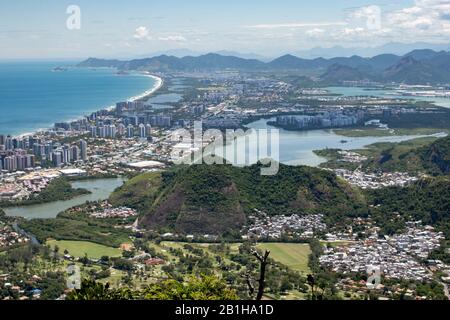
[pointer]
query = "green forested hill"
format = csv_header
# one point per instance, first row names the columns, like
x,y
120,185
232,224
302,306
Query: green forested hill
x,y
436,157
416,156
217,198
428,200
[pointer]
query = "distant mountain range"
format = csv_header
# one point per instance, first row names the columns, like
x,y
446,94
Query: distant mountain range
x,y
422,66
396,48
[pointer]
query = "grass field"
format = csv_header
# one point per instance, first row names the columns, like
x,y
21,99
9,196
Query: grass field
x,y
80,248
293,255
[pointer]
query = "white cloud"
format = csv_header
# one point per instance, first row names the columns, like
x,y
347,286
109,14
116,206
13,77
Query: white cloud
x,y
141,33
316,32
174,38
365,12
295,25
425,18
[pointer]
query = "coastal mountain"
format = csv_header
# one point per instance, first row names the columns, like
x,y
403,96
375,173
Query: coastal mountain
x,y
210,61
394,48
213,61
411,71
217,199
339,72
436,157
416,67
100,63
419,67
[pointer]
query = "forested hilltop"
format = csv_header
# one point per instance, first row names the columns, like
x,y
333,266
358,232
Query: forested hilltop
x,y
428,200
433,158
426,155
216,199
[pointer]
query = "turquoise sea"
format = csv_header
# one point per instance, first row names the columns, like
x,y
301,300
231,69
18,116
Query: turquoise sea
x,y
33,96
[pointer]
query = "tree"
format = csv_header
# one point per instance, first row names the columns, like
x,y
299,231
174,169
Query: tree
x,y
311,282
263,261
194,288
92,290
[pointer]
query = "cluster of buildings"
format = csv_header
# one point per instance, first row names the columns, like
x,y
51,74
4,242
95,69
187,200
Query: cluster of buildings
x,y
9,237
274,227
21,185
397,257
25,290
14,155
120,212
325,120
67,154
127,120
417,241
113,131
22,153
375,180
350,156
384,292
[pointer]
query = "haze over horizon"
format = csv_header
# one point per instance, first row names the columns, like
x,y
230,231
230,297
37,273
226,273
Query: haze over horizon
x,y
262,29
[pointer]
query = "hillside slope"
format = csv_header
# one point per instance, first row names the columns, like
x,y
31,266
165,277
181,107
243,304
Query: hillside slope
x,y
217,199
426,200
413,156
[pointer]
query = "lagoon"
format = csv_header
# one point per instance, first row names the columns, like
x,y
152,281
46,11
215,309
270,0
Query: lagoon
x,y
296,147
100,190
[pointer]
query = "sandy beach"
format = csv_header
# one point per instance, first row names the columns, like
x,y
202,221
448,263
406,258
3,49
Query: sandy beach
x,y
156,87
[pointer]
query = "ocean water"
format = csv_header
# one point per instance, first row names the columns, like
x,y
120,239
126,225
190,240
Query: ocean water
x,y
32,96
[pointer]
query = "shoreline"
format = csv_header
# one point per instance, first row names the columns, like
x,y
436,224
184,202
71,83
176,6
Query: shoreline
x,y
159,83
156,87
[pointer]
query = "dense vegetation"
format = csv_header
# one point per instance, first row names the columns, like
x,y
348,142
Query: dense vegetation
x,y
216,199
68,226
426,200
427,155
196,288
413,156
440,119
20,264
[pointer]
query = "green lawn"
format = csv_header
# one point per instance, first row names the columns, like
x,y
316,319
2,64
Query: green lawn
x,y
80,248
293,255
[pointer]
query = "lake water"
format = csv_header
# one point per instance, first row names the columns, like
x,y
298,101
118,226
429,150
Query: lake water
x,y
100,188
296,147
165,98
357,91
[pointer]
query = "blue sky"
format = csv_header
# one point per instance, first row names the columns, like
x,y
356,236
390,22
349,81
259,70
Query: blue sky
x,y
37,29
